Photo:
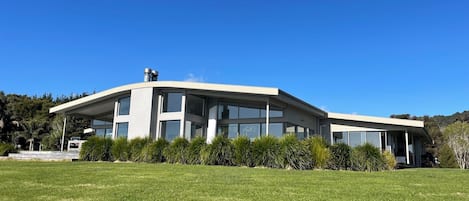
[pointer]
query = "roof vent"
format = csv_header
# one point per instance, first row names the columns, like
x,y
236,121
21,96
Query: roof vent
x,y
150,75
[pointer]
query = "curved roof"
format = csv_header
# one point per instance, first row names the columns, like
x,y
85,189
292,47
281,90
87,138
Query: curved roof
x,y
105,96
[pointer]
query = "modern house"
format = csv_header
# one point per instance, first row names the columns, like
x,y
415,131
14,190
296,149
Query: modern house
x,y
169,109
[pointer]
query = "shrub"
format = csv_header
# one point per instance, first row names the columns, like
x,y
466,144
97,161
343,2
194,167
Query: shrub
x,y
340,156
294,154
176,151
319,152
446,157
389,160
242,151
193,151
367,158
136,146
96,148
219,152
266,152
5,149
120,149
153,152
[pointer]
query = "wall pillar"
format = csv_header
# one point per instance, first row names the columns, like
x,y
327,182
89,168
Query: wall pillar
x,y
63,134
267,117
407,148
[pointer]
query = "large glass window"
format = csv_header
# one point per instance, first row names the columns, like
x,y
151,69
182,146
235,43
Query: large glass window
x,y
170,129
248,113
340,137
252,131
355,139
275,129
230,130
122,129
227,112
172,102
124,106
195,105
374,138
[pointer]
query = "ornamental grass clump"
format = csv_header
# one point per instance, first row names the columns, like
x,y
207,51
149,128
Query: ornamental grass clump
x,y
96,149
367,158
120,149
242,151
219,152
193,150
176,151
136,146
389,160
340,156
153,152
294,154
266,152
319,152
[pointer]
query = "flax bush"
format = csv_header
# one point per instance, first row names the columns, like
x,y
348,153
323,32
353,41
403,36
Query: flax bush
x,y
389,160
193,151
176,151
153,152
340,156
320,154
136,146
120,149
219,152
96,148
294,154
242,151
266,152
367,158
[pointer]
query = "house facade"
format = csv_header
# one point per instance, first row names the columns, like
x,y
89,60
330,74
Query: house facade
x,y
169,109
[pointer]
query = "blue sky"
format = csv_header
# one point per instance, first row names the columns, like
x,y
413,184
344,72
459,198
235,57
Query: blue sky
x,y
364,57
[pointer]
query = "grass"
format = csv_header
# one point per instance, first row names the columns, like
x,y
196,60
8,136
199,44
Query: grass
x,y
26,180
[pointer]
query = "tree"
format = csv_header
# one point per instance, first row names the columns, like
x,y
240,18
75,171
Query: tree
x,y
457,138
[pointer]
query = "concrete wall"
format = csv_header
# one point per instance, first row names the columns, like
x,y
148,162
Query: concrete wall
x,y
141,103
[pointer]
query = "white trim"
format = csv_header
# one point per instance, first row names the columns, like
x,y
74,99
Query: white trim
x,y
165,84
371,119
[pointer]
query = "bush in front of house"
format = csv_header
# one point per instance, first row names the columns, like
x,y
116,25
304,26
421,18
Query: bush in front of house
x,y
5,149
389,160
367,157
219,152
266,152
176,151
294,154
340,156
242,151
97,149
153,152
136,146
193,150
320,154
120,149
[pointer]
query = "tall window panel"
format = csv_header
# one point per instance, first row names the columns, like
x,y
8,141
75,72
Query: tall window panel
x,y
124,106
170,129
172,102
122,129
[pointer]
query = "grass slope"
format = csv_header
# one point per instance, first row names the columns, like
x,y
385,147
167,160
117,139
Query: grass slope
x,y
21,180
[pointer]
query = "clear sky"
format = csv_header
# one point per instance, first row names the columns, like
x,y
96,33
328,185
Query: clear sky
x,y
365,57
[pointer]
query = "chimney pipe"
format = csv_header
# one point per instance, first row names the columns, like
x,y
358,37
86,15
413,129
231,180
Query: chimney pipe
x,y
150,75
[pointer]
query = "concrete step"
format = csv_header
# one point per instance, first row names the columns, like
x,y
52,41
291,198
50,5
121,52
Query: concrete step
x,y
44,155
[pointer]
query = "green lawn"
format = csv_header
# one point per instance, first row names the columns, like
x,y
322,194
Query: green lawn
x,y
21,180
